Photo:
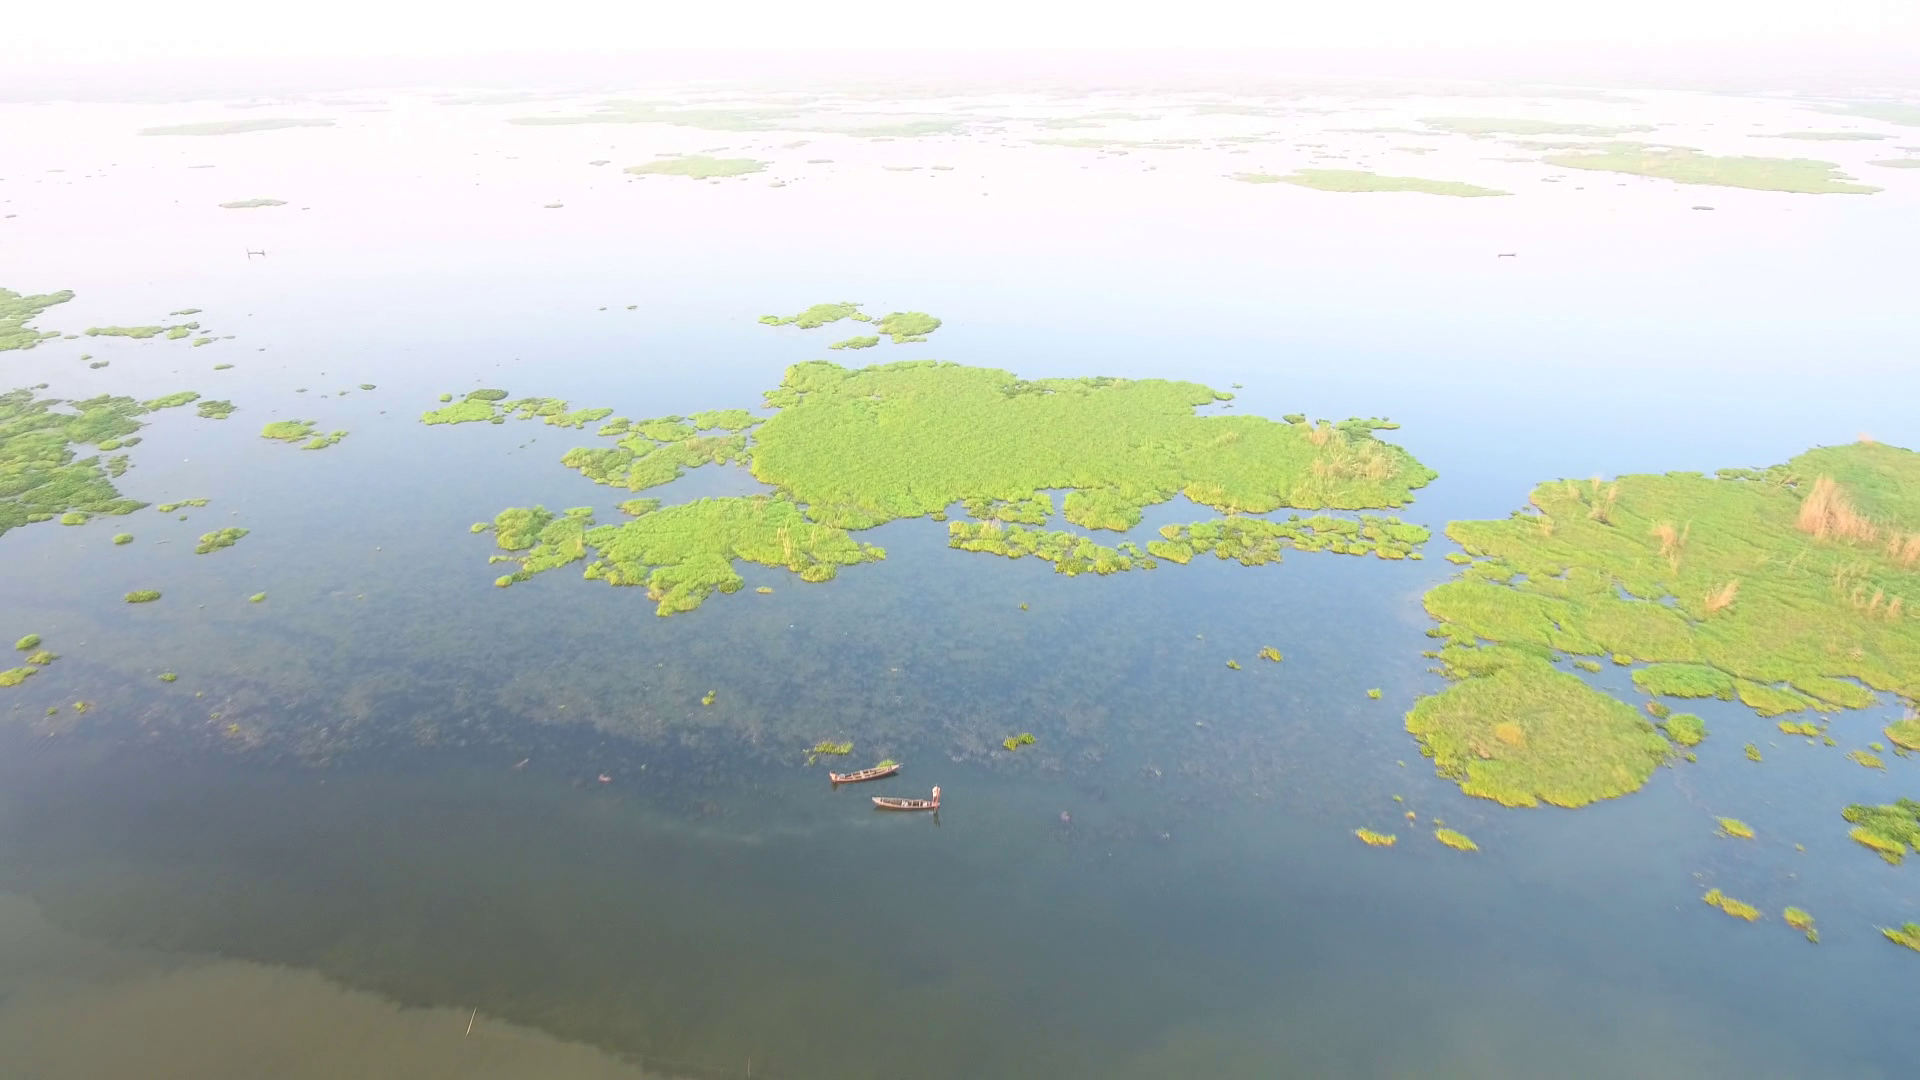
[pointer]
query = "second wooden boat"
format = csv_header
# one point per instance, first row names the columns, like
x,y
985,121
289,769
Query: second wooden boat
x,y
885,768
884,802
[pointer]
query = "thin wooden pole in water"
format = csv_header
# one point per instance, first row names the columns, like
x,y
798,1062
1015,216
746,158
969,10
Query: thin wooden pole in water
x,y
470,1019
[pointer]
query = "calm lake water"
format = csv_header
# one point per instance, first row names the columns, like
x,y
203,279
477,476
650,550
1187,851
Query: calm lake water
x,y
364,832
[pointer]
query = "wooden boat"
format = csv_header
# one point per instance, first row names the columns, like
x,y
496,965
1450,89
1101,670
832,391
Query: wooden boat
x,y
874,773
885,803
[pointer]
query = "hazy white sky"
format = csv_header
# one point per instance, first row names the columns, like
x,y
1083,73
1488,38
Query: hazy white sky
x,y
90,32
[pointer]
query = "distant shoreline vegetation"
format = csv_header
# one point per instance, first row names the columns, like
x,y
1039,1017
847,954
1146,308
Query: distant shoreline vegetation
x,y
1355,180
1800,176
250,204
237,127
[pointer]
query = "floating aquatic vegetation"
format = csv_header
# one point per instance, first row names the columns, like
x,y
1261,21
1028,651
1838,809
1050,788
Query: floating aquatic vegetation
x,y
1800,727
827,746
238,127
1234,664
168,508
257,598
251,204
75,517
1455,840
1908,935
1817,545
141,333
44,477
1736,908
867,342
1015,742
16,676
287,430
143,596
1686,166
17,310
321,442
817,316
1686,729
709,698
1374,694
31,641
698,167
1374,839
1890,830
43,658
172,400
217,410
1736,828
1753,753
1865,760
1272,654
123,538
1801,921
1905,732
1494,125
905,326
217,539
472,410
168,676
1355,180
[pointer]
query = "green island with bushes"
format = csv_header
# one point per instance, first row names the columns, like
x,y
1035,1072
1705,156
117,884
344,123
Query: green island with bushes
x,y
17,310
1786,588
1358,180
848,449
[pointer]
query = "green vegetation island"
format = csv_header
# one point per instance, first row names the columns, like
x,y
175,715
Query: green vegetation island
x,y
1786,588
16,311
1355,180
1494,125
698,167
849,449
1801,176
237,127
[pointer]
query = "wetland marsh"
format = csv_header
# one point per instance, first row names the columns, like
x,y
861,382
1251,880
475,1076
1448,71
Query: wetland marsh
x,y
1286,641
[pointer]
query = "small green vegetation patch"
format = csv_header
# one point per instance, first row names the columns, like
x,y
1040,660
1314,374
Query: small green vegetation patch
x,y
1908,935
1891,830
287,430
238,127
143,596
470,411
1015,742
1905,733
251,204
1736,828
1458,841
867,342
31,641
1270,653
1686,729
141,333
817,316
1683,166
1802,921
216,410
1736,908
1685,681
1865,760
43,658
219,538
1521,732
257,598
168,676
16,311
1357,180
173,401
698,167
905,326
123,538
16,676
1374,839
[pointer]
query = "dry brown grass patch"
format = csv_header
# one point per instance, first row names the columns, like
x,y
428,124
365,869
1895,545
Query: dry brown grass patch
x,y
1510,733
1672,542
1828,514
1722,598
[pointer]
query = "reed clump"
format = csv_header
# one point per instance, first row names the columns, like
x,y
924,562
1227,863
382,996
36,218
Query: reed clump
x,y
1375,839
1458,841
1736,828
1802,921
1737,908
1891,830
1015,742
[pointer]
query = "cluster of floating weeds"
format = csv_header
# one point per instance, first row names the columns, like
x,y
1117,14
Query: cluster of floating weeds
x,y
1891,831
17,310
1736,908
143,596
170,507
217,410
1015,742
1270,653
49,479
1736,828
1458,841
1908,935
1801,921
217,539
1374,839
